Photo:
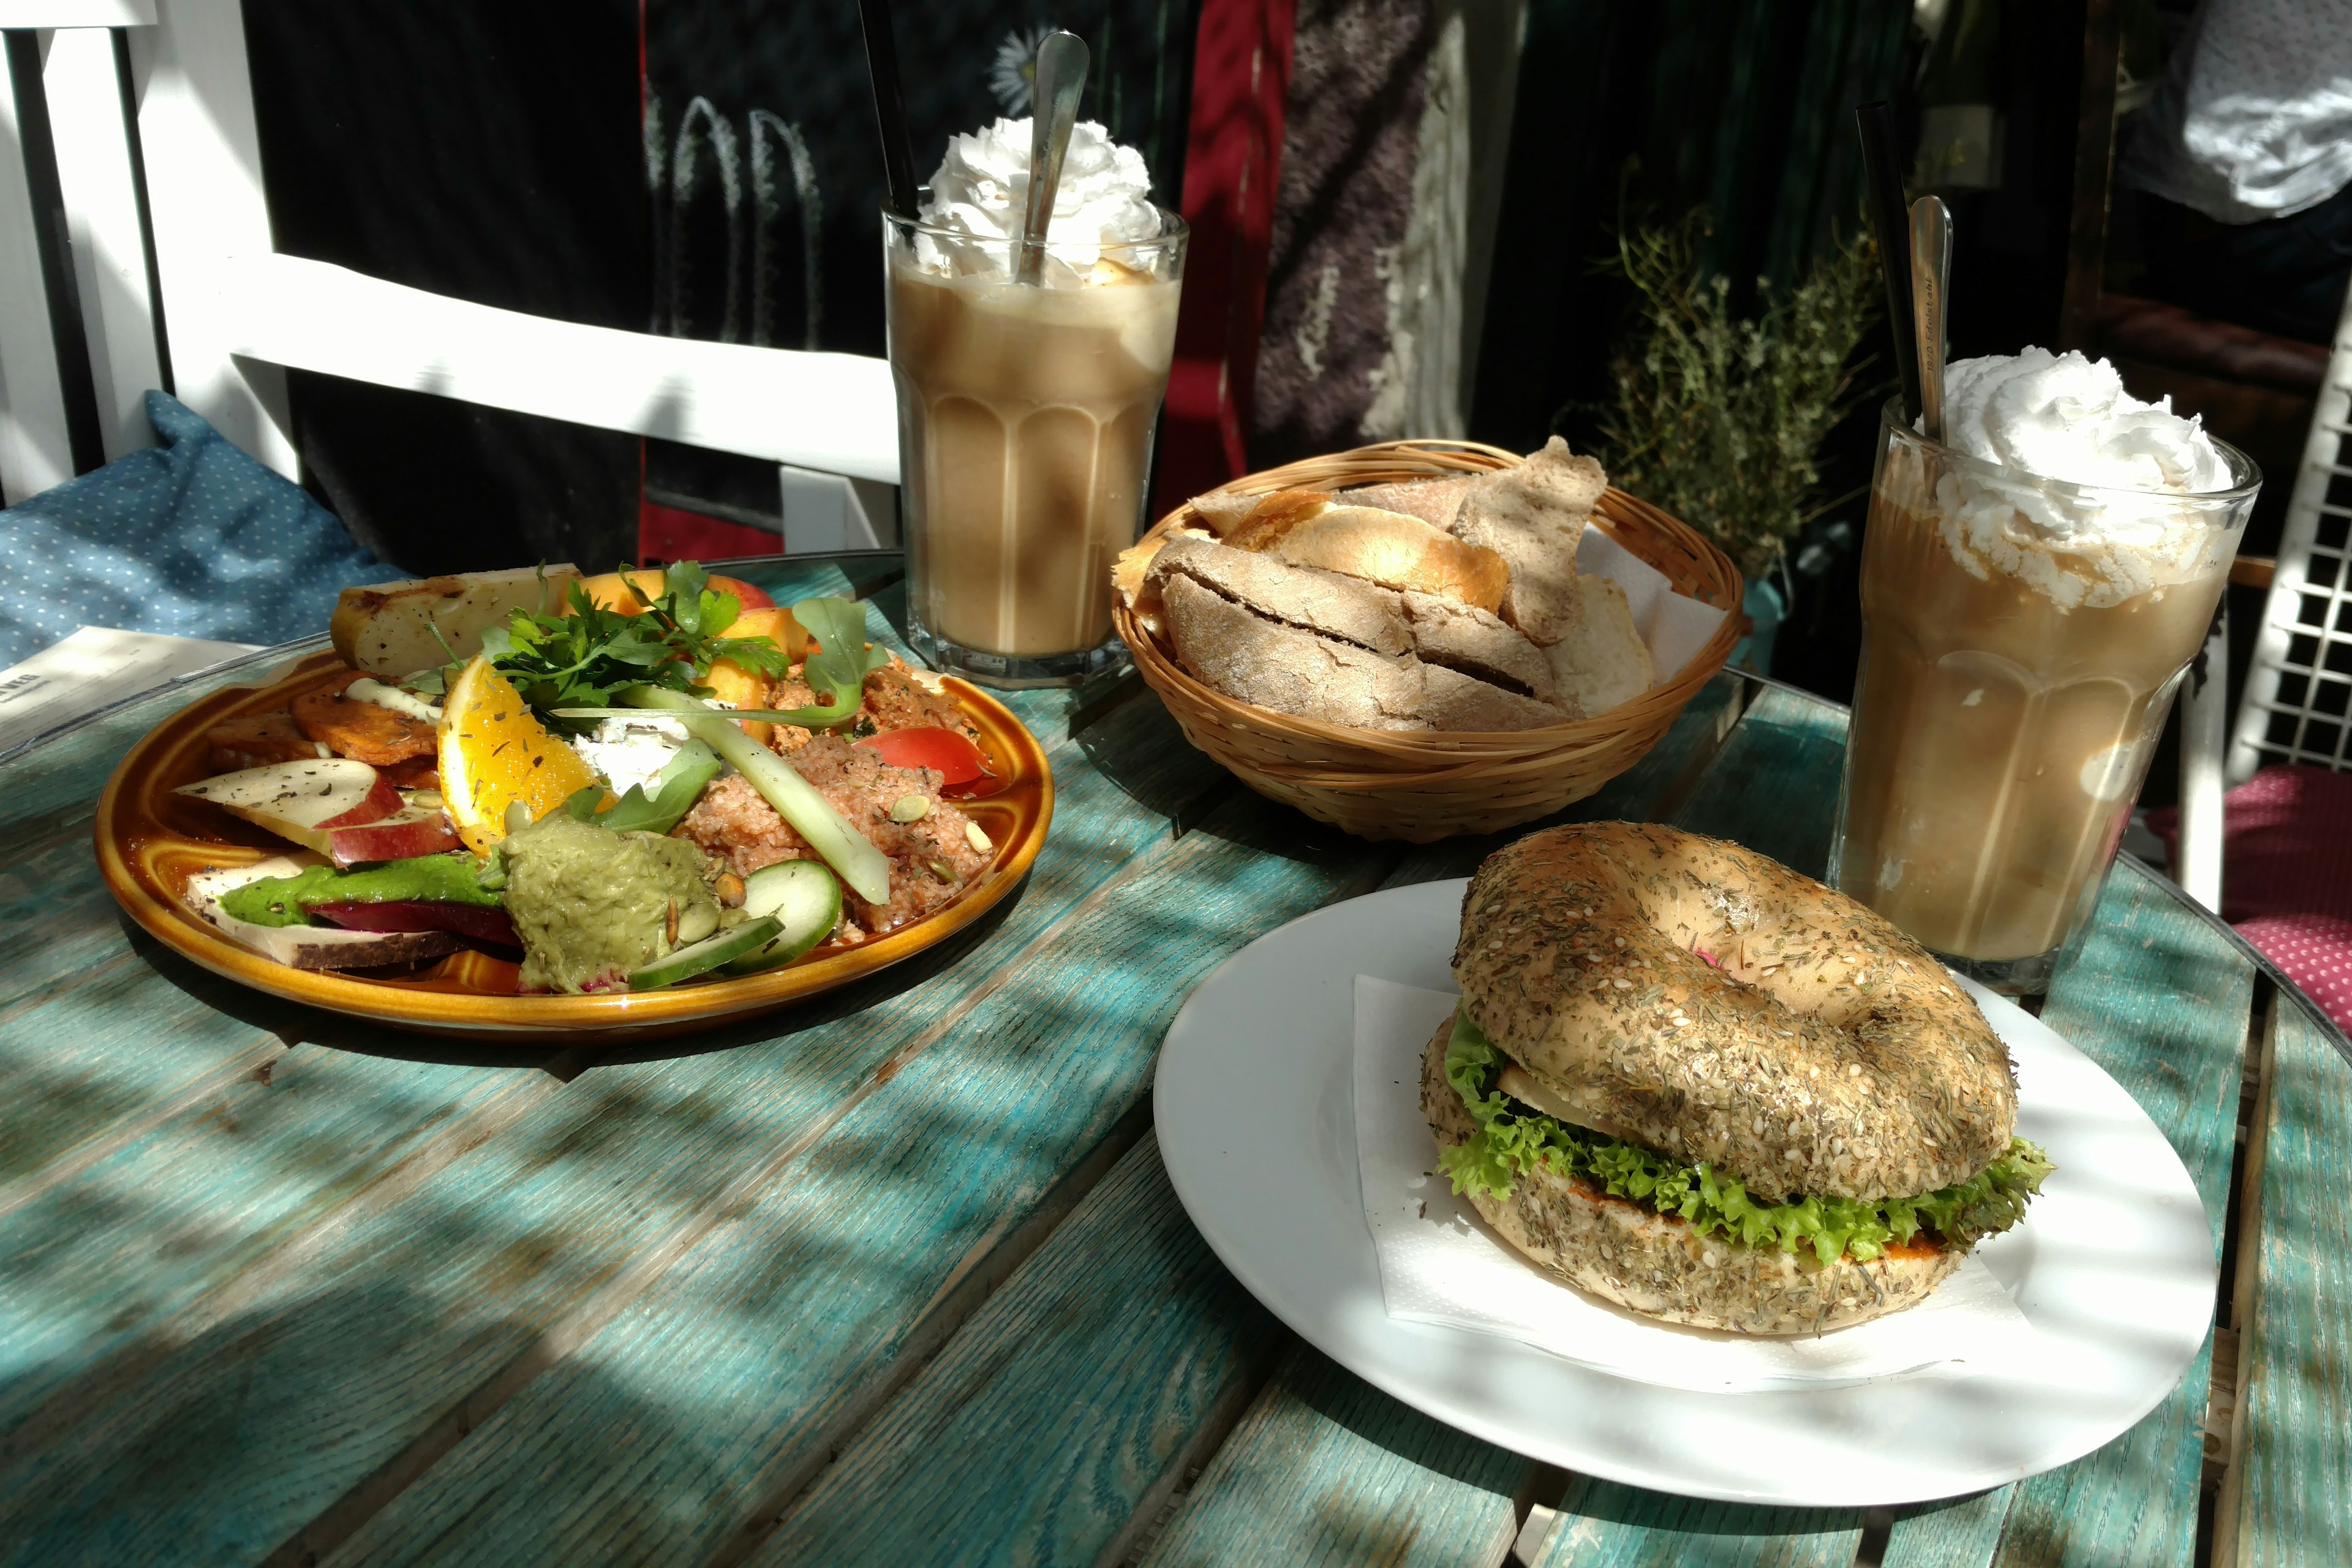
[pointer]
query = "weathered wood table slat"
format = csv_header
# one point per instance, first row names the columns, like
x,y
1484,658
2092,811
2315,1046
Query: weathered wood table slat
x,y
897,1275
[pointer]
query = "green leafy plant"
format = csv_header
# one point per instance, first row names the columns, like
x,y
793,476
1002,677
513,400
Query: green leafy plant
x,y
1719,419
582,658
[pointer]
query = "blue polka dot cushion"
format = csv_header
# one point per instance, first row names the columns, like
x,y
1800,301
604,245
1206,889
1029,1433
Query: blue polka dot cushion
x,y
194,538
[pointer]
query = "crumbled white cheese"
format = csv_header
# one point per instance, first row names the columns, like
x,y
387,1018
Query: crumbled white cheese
x,y
631,751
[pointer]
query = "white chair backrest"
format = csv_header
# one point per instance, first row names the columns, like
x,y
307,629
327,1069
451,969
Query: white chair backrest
x,y
2295,707
135,252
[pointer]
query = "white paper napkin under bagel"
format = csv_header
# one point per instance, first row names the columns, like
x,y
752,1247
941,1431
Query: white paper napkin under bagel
x,y
1440,1264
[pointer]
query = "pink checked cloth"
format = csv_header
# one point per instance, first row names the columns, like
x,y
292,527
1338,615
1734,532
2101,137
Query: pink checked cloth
x,y
2286,875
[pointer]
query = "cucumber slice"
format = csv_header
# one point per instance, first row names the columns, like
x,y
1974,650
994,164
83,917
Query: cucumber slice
x,y
804,896
700,957
866,869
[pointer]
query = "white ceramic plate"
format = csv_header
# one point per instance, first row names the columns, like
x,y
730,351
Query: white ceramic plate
x,y
2114,1266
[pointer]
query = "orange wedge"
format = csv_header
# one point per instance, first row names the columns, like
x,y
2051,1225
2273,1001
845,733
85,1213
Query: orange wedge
x,y
738,686
494,753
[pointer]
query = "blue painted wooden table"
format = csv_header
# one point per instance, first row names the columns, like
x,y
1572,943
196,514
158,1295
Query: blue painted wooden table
x,y
898,1278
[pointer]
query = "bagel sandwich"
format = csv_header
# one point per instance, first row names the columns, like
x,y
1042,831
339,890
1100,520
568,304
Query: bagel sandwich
x,y
1703,1087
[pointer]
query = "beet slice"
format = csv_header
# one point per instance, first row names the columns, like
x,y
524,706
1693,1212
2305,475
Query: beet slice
x,y
476,920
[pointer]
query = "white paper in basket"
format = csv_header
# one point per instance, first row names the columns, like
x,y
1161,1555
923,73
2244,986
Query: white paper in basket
x,y
1674,626
1439,1263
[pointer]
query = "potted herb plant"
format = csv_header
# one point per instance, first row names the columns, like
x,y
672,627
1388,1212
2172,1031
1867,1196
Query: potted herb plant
x,y
1718,417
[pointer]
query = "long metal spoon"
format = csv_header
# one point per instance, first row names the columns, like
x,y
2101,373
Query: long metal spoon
x,y
1931,276
1061,78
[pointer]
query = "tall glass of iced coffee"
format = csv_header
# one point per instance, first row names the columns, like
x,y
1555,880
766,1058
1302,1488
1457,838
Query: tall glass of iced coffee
x,y
1026,411
2032,593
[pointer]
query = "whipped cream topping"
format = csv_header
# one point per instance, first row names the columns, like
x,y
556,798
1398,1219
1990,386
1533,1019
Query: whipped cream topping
x,y
2044,416
2066,417
981,189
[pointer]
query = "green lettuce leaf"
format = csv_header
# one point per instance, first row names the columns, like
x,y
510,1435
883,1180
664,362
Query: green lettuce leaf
x,y
837,672
675,789
1513,1139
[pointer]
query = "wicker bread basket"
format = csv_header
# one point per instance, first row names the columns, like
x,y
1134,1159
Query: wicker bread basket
x,y
1421,786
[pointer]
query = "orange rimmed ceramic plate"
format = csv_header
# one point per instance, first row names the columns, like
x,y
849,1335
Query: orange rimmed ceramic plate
x,y
150,841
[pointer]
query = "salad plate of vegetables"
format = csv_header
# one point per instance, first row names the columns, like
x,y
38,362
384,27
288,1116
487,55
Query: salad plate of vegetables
x,y
540,803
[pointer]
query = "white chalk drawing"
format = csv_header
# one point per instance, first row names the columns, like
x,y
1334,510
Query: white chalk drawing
x,y
768,207
676,178
702,125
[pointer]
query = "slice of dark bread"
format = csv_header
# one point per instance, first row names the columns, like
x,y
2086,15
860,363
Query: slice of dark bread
x,y
1347,608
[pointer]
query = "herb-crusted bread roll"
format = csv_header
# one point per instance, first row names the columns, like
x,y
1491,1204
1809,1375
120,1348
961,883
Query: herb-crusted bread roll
x,y
1664,1266
1870,1071
1695,1034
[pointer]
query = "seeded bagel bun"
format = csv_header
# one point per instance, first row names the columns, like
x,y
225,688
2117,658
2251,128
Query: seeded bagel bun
x,y
1663,1268
1707,1002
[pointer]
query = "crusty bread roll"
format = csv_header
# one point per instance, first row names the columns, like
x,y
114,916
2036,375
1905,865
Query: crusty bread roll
x,y
1466,585
1276,515
1664,1267
1130,578
1533,516
1435,501
1221,511
1453,701
1476,643
1253,660
1343,607
1396,552
1323,647
1604,661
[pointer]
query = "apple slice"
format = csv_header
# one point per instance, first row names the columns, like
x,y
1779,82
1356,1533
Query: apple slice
x,y
409,831
308,947
303,801
419,914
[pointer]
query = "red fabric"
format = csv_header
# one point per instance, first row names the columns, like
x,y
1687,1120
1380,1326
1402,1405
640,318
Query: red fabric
x,y
665,534
2286,877
1241,83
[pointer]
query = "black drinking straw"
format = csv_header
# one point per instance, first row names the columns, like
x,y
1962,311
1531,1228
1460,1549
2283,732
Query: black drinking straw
x,y
889,104
1890,221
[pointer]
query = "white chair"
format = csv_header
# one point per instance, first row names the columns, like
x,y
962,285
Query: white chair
x,y
149,263
2299,687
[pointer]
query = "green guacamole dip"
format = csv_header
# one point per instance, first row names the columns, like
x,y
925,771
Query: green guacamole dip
x,y
591,904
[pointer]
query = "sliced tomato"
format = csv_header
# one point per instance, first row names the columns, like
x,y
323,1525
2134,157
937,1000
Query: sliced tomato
x,y
947,753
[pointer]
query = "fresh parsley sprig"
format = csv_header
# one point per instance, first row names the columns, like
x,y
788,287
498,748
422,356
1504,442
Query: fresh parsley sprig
x,y
581,659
